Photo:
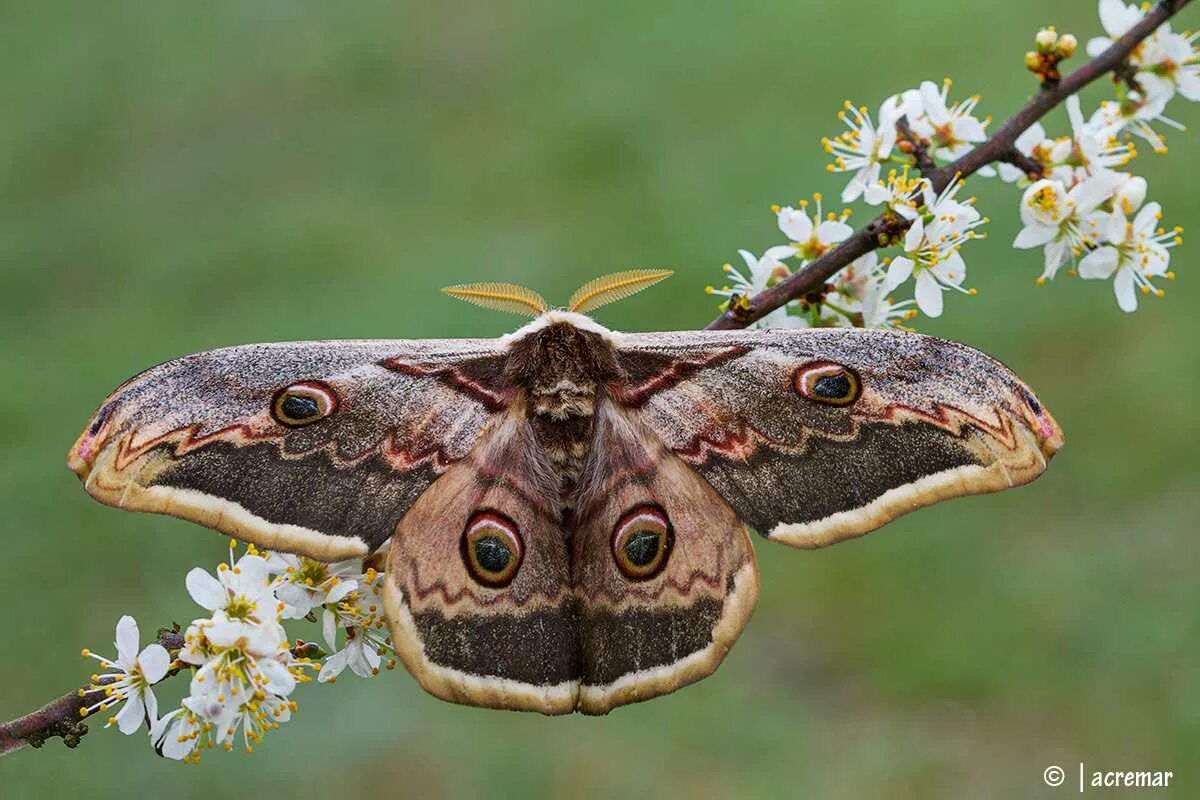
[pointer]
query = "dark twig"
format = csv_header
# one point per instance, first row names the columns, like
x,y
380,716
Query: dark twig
x,y
999,146
1030,166
913,145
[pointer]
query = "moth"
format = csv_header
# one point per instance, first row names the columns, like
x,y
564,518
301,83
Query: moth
x,y
564,510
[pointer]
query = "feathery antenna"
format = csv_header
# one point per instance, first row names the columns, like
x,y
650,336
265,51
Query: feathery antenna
x,y
500,297
611,288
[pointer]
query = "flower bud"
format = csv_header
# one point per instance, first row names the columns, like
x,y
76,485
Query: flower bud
x,y
1066,45
1045,39
1033,62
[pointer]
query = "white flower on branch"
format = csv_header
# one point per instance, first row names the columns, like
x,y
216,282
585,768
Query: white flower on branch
x,y
245,669
811,237
901,193
931,249
1165,62
952,128
1133,114
128,679
860,297
761,271
360,613
245,609
1116,18
864,147
1093,148
305,584
1064,222
1138,251
1169,65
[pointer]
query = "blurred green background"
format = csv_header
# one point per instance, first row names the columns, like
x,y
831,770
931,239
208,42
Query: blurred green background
x,y
182,176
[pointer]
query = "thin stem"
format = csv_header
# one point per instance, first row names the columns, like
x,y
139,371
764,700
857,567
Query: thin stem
x,y
885,228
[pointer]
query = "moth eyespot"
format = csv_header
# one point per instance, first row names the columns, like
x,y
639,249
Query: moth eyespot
x,y
641,542
828,383
492,549
303,403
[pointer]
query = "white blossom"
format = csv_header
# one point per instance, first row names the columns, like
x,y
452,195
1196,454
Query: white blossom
x,y
1064,222
1169,64
811,236
860,296
1135,115
952,128
305,584
1116,18
128,679
760,271
931,249
245,609
901,193
1165,62
865,146
1137,251
1094,149
360,614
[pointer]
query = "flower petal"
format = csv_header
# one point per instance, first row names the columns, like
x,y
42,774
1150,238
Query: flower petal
x,y
280,681
929,295
340,590
127,641
898,272
130,717
154,661
1124,290
916,232
329,629
795,224
206,590
1098,45
832,231
151,707
333,666
1100,263
1034,236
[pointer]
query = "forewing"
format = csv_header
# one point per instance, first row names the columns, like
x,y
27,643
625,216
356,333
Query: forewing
x,y
647,626
929,420
204,437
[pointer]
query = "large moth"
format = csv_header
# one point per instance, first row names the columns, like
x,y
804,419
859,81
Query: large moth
x,y
565,509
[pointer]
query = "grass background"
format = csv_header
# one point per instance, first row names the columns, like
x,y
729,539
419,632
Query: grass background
x,y
182,176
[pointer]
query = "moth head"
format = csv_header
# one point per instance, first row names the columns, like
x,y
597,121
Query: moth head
x,y
592,295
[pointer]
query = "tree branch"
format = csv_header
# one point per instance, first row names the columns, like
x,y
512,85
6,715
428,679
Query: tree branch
x,y
1000,146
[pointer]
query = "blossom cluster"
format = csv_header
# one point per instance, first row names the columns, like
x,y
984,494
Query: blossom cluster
x,y
1080,204
243,667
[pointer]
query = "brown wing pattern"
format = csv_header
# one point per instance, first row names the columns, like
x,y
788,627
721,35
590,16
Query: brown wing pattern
x,y
204,437
929,419
663,571
501,638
